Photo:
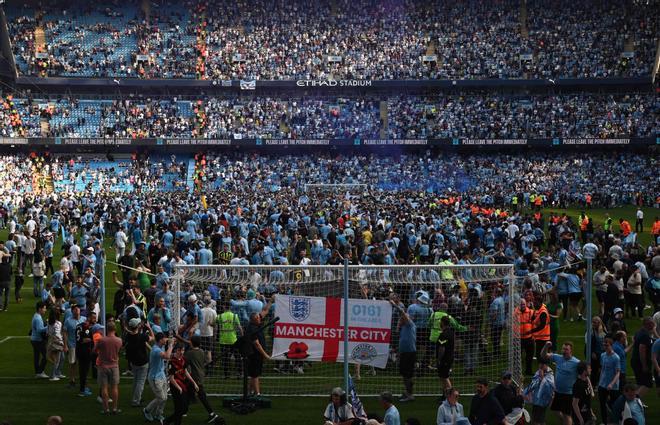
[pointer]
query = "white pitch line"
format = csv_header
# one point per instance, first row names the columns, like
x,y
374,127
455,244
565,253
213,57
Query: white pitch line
x,y
12,337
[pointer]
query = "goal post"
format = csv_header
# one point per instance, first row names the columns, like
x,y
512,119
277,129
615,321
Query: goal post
x,y
463,291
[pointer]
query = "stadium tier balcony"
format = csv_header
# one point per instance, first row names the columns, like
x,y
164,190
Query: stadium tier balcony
x,y
412,117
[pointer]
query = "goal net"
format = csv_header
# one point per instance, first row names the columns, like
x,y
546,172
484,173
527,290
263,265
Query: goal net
x,y
465,292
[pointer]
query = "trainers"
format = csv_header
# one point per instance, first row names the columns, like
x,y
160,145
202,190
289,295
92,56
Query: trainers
x,y
87,392
41,375
212,417
127,373
54,378
61,376
147,415
116,412
406,399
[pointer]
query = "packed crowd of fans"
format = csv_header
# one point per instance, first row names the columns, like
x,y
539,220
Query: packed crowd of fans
x,y
539,116
343,39
245,223
467,116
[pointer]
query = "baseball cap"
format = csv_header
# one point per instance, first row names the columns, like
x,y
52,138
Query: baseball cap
x,y
134,323
506,374
618,310
192,298
251,294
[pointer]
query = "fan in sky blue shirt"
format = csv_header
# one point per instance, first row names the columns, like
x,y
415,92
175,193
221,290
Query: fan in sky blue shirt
x,y
156,363
70,327
407,338
609,366
38,328
497,311
566,373
392,416
168,239
137,236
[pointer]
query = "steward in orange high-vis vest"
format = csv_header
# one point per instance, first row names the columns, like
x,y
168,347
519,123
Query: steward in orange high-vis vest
x,y
540,324
524,316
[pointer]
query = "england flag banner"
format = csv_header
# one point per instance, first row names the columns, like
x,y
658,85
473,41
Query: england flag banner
x,y
312,329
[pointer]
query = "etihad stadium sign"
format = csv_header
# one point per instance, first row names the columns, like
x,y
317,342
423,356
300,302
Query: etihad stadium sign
x,y
334,83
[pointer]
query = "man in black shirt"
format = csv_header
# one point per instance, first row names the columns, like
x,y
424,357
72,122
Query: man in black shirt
x,y
84,345
583,392
641,356
258,353
485,409
135,344
506,393
445,352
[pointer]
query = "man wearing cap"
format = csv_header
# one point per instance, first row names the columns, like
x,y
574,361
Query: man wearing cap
x,y
485,409
616,322
204,255
135,345
420,313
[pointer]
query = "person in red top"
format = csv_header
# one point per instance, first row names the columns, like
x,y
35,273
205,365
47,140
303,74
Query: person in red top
x,y
625,227
181,386
107,364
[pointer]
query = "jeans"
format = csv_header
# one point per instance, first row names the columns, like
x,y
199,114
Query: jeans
x,y
57,367
39,352
157,405
38,286
471,352
139,377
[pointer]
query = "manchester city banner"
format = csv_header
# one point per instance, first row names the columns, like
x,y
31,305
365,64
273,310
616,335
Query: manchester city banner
x,y
311,329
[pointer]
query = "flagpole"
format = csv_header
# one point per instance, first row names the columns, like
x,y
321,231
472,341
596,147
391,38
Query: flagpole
x,y
346,323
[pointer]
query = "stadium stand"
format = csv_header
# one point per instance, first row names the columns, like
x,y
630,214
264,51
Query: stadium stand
x,y
283,40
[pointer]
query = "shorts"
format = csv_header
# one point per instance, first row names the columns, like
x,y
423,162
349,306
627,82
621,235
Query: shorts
x,y
444,369
255,366
643,378
575,297
601,295
206,343
108,376
71,355
407,364
58,292
538,414
562,403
